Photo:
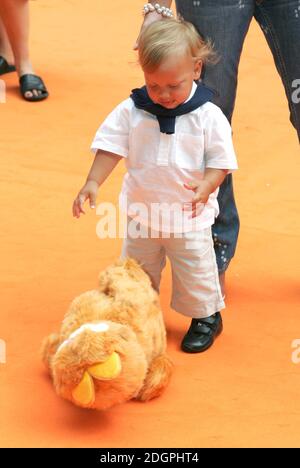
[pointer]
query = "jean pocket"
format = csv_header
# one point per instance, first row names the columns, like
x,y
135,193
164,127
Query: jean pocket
x,y
189,151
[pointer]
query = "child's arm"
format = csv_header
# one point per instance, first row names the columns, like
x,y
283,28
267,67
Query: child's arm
x,y
213,178
102,166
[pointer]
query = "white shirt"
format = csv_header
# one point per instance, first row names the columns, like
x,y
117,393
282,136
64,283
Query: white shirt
x,y
159,164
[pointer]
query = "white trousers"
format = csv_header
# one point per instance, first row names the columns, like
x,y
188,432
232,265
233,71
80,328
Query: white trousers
x,y
196,289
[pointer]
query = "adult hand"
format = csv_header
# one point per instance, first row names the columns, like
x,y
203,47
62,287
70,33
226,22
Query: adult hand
x,y
148,19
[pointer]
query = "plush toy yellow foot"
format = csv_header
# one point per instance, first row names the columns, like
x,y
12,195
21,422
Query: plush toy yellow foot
x,y
112,342
84,393
108,369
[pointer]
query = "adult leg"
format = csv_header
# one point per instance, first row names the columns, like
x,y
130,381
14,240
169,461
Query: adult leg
x,y
5,47
15,17
226,23
280,23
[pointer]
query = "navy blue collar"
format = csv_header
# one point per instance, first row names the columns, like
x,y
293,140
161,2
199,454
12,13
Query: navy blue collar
x,y
166,117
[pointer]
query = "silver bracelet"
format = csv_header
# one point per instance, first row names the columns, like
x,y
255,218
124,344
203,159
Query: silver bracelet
x,y
162,10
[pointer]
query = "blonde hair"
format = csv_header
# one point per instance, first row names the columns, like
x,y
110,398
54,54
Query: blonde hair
x,y
164,38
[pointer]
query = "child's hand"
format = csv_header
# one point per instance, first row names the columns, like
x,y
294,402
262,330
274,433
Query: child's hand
x,y
88,191
202,191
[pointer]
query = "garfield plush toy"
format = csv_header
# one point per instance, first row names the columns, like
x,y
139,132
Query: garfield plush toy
x,y
112,342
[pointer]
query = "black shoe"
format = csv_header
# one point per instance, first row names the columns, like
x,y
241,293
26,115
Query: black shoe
x,y
5,67
29,82
202,333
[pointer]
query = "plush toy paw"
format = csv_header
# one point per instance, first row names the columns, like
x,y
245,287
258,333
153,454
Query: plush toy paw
x,y
84,393
49,348
157,378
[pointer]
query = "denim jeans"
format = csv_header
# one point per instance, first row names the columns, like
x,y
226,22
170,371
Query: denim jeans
x,y
226,23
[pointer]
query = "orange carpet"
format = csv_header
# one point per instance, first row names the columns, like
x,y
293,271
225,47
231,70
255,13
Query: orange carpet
x,y
244,392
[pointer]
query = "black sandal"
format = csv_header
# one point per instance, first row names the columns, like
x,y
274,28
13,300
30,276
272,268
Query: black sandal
x,y
30,82
5,67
